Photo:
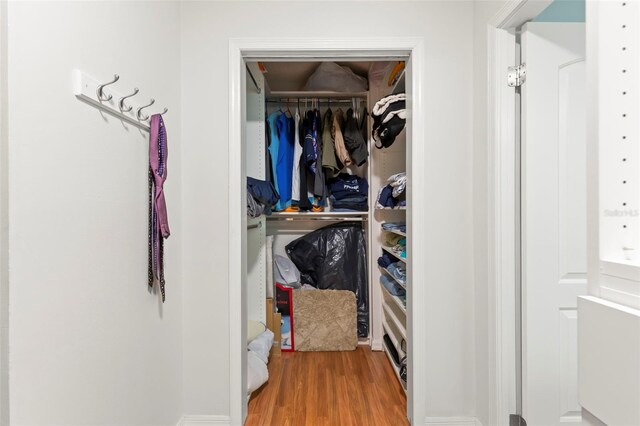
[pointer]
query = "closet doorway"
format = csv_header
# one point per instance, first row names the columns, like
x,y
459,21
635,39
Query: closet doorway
x,y
243,301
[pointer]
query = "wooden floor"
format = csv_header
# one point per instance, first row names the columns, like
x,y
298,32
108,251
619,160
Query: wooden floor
x,y
329,388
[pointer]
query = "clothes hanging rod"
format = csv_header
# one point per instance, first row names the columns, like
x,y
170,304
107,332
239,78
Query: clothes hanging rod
x,y
321,100
253,79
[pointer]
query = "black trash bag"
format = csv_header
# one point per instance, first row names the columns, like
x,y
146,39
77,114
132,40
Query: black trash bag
x,y
335,258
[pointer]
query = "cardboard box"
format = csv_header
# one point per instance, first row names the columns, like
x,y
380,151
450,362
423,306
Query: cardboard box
x,y
275,325
270,312
276,350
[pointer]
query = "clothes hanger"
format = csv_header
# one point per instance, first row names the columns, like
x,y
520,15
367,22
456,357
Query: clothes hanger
x,y
288,110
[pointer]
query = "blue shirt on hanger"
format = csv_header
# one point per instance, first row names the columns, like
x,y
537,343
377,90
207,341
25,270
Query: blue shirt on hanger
x,y
273,150
284,166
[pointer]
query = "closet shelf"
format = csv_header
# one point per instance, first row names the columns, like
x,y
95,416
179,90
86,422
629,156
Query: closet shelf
x,y
389,332
397,323
330,216
316,94
392,253
396,369
395,299
393,231
383,270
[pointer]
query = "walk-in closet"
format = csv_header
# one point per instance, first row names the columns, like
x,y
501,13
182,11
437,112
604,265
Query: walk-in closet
x,y
328,195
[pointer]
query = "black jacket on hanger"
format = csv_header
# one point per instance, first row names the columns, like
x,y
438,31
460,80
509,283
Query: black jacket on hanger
x,y
354,141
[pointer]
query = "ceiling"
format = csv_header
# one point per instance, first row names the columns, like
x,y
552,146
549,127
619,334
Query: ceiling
x,y
291,76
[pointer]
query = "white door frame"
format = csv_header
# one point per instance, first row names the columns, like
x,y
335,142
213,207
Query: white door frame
x,y
501,144
242,49
4,222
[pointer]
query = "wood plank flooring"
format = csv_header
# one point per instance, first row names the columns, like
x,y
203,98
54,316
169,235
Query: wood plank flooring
x,y
331,389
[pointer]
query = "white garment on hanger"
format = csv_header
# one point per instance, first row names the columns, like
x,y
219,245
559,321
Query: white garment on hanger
x,y
297,154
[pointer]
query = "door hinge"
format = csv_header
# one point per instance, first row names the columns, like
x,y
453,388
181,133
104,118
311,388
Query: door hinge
x,y
516,420
516,76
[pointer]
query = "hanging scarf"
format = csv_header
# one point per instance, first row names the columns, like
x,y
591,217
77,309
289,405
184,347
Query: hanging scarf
x,y
158,221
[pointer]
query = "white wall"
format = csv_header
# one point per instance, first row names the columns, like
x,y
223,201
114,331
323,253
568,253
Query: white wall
x,y
447,30
89,343
485,357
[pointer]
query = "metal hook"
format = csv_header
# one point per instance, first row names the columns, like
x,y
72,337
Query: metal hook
x,y
146,117
165,111
99,90
121,101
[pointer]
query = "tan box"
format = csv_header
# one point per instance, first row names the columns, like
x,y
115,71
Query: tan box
x,y
274,324
270,312
277,324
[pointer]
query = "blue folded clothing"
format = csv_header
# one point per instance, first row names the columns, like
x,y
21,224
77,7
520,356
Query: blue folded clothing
x,y
353,202
263,192
345,185
386,259
385,199
391,286
398,271
394,226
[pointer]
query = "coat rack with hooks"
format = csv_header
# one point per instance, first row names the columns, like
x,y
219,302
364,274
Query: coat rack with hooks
x,y
103,96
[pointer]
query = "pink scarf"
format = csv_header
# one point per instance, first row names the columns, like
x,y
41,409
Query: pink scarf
x,y
158,220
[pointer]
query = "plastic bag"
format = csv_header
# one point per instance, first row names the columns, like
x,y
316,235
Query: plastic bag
x,y
332,77
262,344
257,372
335,257
285,272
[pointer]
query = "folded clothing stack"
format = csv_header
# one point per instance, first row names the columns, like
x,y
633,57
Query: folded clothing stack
x,y
349,193
393,194
386,259
398,270
395,268
394,226
400,248
261,197
392,287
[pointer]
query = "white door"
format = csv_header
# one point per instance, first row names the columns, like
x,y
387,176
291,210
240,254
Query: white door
x,y
554,219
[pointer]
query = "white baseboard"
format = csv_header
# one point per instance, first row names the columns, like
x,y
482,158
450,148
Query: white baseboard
x,y
204,420
376,345
452,421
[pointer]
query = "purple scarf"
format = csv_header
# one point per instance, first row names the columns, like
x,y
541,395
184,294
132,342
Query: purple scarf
x,y
158,221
